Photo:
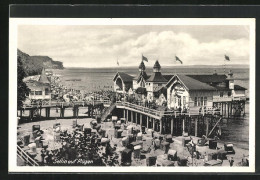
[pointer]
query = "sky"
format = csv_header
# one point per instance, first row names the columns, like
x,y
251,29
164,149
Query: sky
x,y
101,46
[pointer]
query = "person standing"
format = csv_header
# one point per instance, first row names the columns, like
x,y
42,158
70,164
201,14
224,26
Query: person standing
x,y
231,162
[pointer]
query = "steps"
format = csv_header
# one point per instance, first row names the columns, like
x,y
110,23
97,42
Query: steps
x,y
108,111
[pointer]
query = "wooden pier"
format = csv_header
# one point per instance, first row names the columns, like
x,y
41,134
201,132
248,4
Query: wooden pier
x,y
93,107
169,122
193,122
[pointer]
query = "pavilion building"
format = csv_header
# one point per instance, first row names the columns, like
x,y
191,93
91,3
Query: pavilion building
x,y
180,90
40,89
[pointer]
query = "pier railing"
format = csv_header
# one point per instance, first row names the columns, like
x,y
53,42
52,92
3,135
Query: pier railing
x,y
73,103
161,113
140,108
25,157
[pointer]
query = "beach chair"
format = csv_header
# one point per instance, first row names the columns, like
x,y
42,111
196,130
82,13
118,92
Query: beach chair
x,y
172,155
36,128
137,151
151,160
229,148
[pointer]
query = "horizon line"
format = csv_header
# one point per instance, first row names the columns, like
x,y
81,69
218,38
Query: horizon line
x,y
115,67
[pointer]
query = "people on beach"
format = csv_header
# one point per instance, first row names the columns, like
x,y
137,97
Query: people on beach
x,y
231,161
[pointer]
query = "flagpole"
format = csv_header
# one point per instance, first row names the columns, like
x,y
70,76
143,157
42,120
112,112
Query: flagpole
x,y
224,66
175,66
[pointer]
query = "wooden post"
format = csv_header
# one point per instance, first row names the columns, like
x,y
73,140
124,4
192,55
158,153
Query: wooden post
x,y
60,111
141,120
46,112
88,111
21,113
196,126
31,113
244,108
147,122
127,116
172,126
153,123
225,109
228,109
183,126
207,127
124,113
222,108
132,116
136,121
189,120
231,111
160,126
92,111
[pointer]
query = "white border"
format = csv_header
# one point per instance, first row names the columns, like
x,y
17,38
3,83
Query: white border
x,y
13,26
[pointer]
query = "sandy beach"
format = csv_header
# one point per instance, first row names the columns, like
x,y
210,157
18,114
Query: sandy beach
x,y
66,124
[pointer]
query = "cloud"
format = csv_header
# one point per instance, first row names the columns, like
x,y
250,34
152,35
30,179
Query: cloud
x,y
97,46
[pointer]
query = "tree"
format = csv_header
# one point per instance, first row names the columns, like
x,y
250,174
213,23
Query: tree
x,y
22,88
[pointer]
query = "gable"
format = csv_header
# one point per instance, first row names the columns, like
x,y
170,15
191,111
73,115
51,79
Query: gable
x,y
190,83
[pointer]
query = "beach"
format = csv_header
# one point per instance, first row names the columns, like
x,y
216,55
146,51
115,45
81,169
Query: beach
x,y
66,124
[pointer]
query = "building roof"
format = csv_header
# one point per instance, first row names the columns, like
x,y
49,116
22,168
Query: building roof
x,y
125,77
143,75
34,84
43,78
191,84
157,65
168,77
210,78
237,87
157,77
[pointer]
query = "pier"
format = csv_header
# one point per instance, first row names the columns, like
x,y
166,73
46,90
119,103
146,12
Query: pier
x,y
92,108
169,122
194,122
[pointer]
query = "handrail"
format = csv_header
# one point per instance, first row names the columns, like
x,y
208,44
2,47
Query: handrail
x,y
105,101
25,157
163,113
214,126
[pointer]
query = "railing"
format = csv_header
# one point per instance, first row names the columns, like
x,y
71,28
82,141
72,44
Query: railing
x,y
166,113
73,103
140,108
25,157
239,98
221,99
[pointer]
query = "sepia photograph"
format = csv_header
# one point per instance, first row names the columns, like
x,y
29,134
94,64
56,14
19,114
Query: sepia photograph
x,y
132,95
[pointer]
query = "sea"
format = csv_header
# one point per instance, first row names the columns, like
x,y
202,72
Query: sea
x,y
95,79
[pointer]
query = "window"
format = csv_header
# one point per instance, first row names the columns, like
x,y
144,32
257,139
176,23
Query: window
x,y
201,101
184,100
32,92
38,92
160,84
205,101
195,101
46,91
221,94
229,93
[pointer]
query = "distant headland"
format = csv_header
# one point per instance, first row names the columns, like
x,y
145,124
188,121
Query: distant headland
x,y
34,64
